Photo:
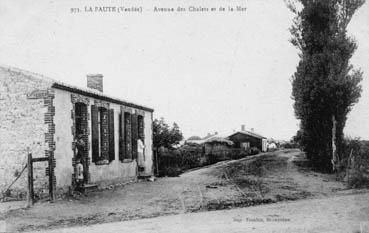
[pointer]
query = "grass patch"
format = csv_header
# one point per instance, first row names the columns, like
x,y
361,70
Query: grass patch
x,y
260,179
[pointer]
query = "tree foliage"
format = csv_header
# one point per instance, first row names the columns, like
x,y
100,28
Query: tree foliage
x,y
325,84
164,135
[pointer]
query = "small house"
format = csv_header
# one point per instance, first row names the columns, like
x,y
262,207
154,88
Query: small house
x,y
48,118
248,139
217,145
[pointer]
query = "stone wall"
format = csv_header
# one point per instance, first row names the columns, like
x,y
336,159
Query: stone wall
x,y
24,103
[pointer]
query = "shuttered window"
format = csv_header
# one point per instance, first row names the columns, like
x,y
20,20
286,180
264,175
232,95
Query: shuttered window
x,y
111,135
134,135
131,128
104,134
141,127
95,133
127,136
102,125
121,136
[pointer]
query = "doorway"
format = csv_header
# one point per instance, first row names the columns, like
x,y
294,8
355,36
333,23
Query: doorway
x,y
81,138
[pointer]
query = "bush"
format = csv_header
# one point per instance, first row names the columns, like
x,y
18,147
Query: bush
x,y
173,162
238,154
290,145
254,151
356,162
171,171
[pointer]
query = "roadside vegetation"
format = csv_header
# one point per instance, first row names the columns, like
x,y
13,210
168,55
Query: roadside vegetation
x,y
260,179
325,85
170,159
173,162
355,162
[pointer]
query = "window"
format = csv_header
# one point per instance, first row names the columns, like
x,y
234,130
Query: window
x,y
111,135
121,136
245,145
134,129
102,125
141,128
131,128
127,136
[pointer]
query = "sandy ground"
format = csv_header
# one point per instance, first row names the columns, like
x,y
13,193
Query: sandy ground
x,y
348,213
266,178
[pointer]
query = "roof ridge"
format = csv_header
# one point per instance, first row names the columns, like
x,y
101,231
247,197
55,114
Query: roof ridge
x,y
248,132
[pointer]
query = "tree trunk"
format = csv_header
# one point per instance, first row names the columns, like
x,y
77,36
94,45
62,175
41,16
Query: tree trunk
x,y
334,146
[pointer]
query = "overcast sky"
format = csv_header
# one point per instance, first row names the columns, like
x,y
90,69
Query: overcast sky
x,y
206,71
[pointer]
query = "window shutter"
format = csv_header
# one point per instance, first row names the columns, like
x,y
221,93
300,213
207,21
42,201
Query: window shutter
x,y
134,135
128,135
121,136
104,134
141,127
111,135
95,133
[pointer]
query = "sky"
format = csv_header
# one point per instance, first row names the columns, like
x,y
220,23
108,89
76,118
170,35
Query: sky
x,y
207,71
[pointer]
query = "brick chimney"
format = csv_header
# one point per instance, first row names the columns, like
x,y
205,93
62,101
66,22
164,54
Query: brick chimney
x,y
95,81
243,128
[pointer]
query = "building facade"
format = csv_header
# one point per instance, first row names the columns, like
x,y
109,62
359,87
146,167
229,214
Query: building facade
x,y
48,118
248,139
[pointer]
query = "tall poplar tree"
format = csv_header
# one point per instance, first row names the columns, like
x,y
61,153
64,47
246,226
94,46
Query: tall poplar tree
x,y
325,85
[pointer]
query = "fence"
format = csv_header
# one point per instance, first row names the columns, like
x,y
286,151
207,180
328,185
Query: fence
x,y
30,178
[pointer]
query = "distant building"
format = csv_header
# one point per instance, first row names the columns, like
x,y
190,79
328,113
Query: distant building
x,y
211,143
198,140
216,144
271,146
247,139
194,138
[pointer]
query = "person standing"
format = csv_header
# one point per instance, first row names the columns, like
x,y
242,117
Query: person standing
x,y
140,155
79,173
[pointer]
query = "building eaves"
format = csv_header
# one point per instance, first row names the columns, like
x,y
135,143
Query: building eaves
x,y
248,133
78,90
98,95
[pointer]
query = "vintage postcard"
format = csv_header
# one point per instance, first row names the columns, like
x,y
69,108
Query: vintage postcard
x,y
184,116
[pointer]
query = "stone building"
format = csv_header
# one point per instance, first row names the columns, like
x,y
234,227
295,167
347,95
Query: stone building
x,y
45,117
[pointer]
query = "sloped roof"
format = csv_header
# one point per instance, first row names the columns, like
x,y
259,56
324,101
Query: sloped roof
x,y
219,140
210,136
210,139
248,133
79,90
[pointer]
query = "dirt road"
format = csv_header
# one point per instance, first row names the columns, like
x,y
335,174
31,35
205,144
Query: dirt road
x,y
347,213
266,178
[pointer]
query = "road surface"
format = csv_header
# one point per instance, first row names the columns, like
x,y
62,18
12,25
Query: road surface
x,y
343,213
